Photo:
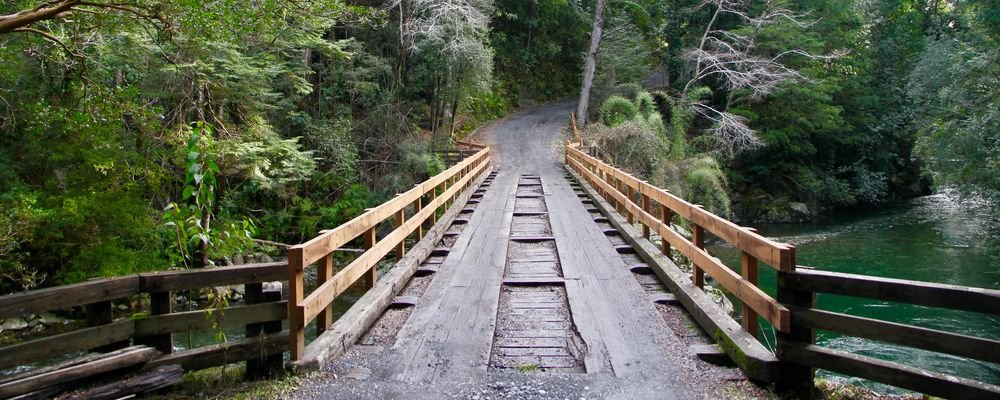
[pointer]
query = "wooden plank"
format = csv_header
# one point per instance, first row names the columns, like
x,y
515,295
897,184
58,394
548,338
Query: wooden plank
x,y
749,271
153,380
904,376
777,255
325,293
902,334
161,303
927,294
67,296
749,294
197,321
329,241
756,361
220,276
371,275
349,328
65,343
110,362
296,294
324,272
225,353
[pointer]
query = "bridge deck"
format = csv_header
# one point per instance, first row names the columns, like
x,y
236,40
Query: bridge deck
x,y
532,300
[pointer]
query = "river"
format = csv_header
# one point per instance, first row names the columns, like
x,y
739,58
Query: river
x,y
939,238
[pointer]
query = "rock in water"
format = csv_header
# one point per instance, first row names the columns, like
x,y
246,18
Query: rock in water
x,y
800,208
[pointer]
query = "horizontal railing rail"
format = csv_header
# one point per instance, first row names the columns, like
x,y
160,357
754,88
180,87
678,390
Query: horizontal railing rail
x,y
261,312
655,208
439,191
805,284
793,313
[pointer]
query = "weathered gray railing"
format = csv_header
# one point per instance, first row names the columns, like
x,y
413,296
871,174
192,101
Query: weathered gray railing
x,y
261,314
798,289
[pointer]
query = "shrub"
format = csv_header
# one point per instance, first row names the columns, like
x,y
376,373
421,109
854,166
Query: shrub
x,y
616,110
644,104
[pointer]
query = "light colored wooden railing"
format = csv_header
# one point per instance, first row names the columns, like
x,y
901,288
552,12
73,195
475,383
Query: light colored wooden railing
x,y
654,208
440,192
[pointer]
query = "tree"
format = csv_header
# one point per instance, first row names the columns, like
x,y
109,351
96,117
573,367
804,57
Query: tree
x,y
452,37
590,63
733,60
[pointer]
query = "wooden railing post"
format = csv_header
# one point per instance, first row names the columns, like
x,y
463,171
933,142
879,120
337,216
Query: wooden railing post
x,y
264,366
629,193
296,315
794,379
101,313
401,247
698,238
433,196
324,272
160,303
419,205
372,275
749,272
666,214
645,207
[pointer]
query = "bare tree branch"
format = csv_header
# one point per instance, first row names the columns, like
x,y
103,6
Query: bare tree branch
x,y
52,39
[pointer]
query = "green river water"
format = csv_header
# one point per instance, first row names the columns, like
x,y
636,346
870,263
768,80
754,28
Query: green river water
x,y
938,238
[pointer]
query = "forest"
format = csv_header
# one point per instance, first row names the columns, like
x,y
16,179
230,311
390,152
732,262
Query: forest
x,y
141,135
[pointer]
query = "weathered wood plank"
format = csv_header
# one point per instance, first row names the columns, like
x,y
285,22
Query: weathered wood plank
x,y
905,291
226,353
38,301
904,376
69,342
221,276
756,361
750,295
325,293
777,255
327,242
110,362
353,324
158,378
902,334
197,321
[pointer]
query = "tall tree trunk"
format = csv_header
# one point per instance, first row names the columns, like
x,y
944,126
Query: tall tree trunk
x,y
591,65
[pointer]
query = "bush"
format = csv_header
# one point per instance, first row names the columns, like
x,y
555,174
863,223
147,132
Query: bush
x,y
645,104
616,110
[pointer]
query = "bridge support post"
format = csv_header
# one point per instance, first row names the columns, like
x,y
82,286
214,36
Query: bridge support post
x,y
645,207
372,275
749,272
268,365
160,303
324,273
794,379
101,313
698,238
666,214
296,293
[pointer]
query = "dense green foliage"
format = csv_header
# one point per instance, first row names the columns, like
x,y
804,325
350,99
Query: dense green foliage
x,y
827,103
141,135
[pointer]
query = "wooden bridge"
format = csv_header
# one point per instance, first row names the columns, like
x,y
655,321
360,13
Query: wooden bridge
x,y
522,270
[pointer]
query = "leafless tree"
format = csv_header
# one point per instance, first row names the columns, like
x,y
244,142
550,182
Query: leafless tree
x,y
741,69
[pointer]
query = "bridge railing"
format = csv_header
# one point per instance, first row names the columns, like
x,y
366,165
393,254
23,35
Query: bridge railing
x,y
425,199
794,313
799,289
261,314
655,209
